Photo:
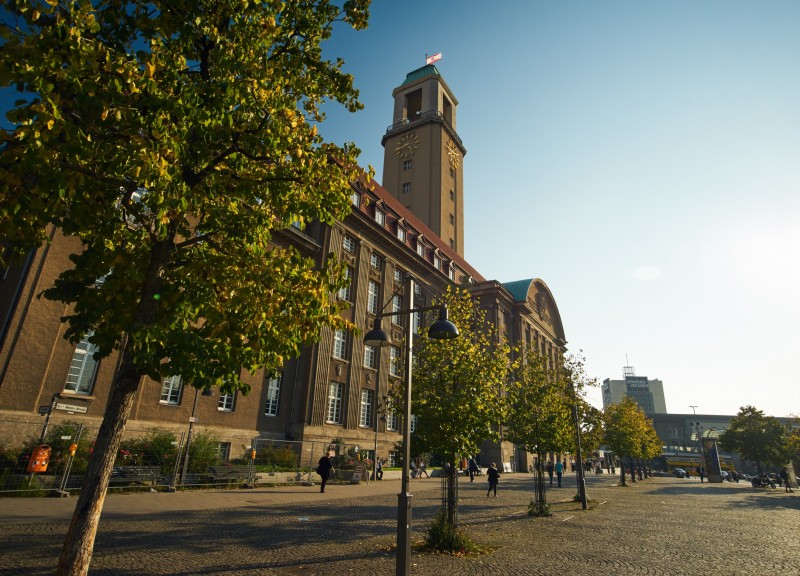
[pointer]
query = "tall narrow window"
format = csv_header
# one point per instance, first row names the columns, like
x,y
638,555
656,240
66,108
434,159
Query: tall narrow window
x,y
273,395
376,261
398,276
345,291
83,367
224,452
365,419
171,390
392,421
373,304
406,187
397,305
340,344
380,217
370,356
407,164
334,415
226,401
355,198
349,244
421,249
395,360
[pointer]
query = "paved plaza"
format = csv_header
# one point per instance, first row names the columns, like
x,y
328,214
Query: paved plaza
x,y
660,526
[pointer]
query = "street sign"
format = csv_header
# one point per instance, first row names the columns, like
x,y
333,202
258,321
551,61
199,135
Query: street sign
x,y
71,408
44,410
194,419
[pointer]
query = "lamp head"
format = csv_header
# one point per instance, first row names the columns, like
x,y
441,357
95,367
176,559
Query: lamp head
x,y
376,336
443,329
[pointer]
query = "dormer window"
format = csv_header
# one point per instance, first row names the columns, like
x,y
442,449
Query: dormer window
x,y
401,234
437,262
452,274
380,217
355,198
420,249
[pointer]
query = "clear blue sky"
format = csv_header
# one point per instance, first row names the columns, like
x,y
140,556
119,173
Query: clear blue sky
x,y
641,157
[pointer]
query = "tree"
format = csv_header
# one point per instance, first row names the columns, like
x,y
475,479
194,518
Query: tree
x,y
538,415
575,381
756,437
458,386
628,433
174,140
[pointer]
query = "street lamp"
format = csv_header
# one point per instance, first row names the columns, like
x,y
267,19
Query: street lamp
x,y
192,419
380,416
442,329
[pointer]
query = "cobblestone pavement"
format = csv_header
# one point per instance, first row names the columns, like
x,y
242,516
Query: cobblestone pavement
x,y
660,526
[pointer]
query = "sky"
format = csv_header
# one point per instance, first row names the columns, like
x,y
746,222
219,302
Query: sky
x,y
642,158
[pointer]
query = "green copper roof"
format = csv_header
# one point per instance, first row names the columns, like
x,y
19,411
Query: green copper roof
x,y
414,75
519,289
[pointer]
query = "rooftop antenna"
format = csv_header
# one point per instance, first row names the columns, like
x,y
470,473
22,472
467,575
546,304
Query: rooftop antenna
x,y
628,370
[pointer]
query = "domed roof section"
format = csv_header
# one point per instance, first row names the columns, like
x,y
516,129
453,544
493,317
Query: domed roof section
x,y
538,296
414,75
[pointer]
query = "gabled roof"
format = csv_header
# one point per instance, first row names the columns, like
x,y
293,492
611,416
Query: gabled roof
x,y
524,290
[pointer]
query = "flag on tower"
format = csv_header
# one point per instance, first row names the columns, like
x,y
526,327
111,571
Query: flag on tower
x,y
434,58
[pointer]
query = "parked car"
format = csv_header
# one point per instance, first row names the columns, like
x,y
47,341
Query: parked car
x,y
680,473
725,475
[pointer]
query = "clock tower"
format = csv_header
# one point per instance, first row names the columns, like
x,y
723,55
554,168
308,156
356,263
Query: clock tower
x,y
422,160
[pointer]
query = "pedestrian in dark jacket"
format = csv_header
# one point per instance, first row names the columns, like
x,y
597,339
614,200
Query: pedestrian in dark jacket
x,y
494,478
785,478
324,469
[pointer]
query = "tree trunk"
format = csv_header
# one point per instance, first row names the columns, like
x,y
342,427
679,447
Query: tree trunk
x,y
622,481
451,493
79,543
541,493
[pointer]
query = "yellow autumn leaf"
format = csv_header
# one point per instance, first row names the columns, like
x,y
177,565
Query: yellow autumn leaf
x,y
149,69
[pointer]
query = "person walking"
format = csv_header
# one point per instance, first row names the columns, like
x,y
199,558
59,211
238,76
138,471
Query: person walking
x,y
785,479
550,470
472,466
559,472
421,468
494,478
324,469
702,473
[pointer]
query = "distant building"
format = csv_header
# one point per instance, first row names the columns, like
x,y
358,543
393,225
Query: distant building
x,y
648,394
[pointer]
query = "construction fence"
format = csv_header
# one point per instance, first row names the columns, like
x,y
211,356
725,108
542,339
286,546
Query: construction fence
x,y
55,462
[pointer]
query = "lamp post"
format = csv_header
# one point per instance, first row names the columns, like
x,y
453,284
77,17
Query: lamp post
x,y
442,329
192,419
380,416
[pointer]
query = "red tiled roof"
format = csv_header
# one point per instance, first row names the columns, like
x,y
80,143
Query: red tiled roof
x,y
419,226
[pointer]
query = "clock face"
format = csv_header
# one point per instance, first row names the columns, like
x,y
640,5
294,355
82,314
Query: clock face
x,y
452,153
407,145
